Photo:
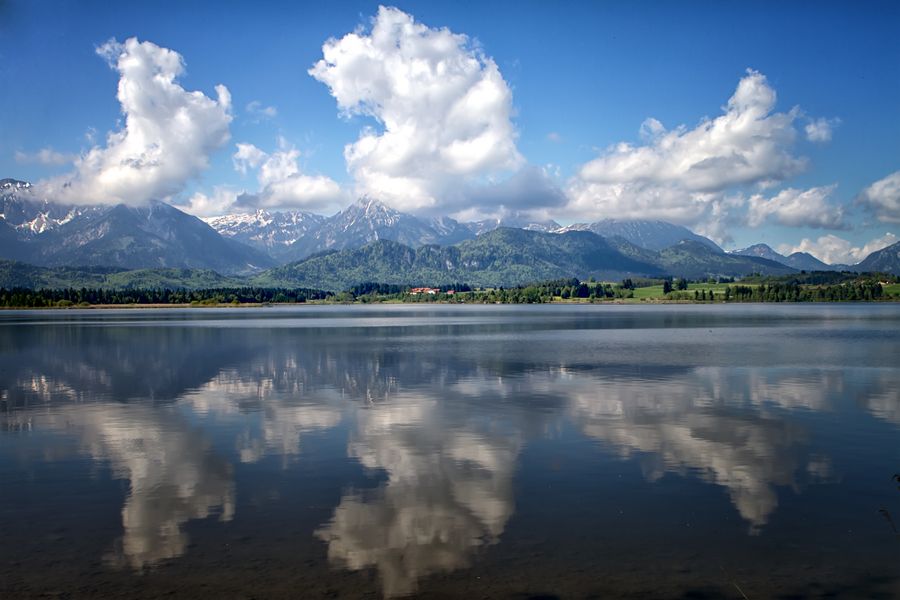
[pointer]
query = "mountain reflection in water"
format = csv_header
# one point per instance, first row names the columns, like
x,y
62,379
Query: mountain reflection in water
x,y
431,414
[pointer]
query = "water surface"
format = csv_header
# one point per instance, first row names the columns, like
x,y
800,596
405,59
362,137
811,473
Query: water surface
x,y
447,451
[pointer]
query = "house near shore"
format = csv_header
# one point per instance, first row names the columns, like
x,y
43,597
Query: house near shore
x,y
424,290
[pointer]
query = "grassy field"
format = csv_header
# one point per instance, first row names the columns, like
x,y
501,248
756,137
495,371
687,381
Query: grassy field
x,y
892,289
656,291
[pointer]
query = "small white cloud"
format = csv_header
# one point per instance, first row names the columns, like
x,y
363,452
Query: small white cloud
x,y
797,208
821,130
282,185
651,129
315,193
443,109
45,156
256,109
168,135
221,201
883,198
833,249
247,157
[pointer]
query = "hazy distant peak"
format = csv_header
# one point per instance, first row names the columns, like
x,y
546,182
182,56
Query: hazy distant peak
x,y
514,221
650,234
371,203
14,184
762,251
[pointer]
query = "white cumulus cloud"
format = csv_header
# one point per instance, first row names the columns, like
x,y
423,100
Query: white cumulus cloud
x,y
684,175
282,185
833,249
442,110
883,198
797,208
168,136
247,157
219,202
821,130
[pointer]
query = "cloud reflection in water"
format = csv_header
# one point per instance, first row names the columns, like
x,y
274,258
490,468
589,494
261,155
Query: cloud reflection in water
x,y
448,491
443,431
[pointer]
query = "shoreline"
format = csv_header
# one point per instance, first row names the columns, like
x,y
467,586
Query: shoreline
x,y
617,302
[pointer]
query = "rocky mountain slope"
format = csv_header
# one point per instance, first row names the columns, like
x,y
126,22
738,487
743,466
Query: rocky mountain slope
x,y
652,235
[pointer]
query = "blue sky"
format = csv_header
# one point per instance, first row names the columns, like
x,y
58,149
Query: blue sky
x,y
567,82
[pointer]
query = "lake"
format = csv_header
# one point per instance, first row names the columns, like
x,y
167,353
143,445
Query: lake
x,y
742,451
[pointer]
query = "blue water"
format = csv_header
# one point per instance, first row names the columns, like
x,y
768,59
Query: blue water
x,y
446,451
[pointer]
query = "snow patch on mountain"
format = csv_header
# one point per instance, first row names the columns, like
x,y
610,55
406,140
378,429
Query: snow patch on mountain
x,y
265,230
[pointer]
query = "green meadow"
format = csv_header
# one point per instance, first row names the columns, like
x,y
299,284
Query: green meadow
x,y
656,291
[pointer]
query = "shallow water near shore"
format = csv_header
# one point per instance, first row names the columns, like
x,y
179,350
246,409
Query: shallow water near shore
x,y
675,451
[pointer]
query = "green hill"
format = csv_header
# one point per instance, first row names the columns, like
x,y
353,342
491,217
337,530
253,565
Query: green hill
x,y
17,274
694,260
502,257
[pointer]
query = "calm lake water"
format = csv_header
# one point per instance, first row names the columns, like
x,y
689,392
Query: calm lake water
x,y
447,451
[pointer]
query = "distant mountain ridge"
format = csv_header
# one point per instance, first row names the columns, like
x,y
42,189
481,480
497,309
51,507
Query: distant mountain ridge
x,y
368,220
802,261
157,235
485,225
501,257
695,260
652,235
507,257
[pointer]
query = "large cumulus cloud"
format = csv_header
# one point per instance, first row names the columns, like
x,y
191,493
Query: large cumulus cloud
x,y
689,176
442,108
168,135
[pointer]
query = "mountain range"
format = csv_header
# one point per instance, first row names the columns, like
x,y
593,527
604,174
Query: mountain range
x,y
367,241
156,235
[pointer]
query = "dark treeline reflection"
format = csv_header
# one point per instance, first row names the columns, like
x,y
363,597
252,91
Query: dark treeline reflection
x,y
441,408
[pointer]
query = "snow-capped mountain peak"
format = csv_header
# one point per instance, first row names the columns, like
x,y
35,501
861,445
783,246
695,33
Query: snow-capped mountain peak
x,y
14,184
30,215
271,232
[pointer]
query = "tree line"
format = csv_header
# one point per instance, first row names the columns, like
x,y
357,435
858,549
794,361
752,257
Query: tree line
x,y
855,291
860,290
43,298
